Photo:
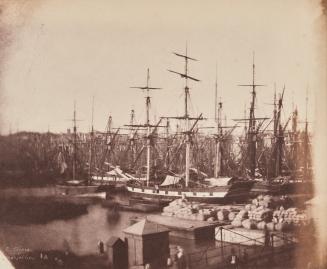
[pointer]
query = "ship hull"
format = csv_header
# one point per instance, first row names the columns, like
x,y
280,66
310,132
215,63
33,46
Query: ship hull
x,y
222,194
282,188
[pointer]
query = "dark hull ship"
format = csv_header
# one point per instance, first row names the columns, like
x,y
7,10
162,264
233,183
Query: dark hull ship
x,y
283,180
76,186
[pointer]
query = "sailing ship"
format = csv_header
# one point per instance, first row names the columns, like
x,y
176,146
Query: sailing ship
x,y
253,125
277,182
109,174
297,179
177,186
76,186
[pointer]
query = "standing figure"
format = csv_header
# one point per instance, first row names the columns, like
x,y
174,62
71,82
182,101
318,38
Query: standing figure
x,y
267,238
101,247
233,260
181,259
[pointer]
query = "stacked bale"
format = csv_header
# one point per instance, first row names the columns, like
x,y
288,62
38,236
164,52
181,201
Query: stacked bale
x,y
249,224
173,207
261,213
248,207
222,215
241,216
291,216
206,214
181,208
301,219
232,215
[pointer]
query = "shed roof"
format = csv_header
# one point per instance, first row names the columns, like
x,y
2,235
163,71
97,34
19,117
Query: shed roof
x,y
113,240
144,227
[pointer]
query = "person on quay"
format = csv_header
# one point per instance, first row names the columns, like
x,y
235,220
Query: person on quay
x,y
233,260
181,259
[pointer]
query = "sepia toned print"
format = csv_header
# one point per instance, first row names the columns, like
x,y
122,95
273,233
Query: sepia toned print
x,y
160,134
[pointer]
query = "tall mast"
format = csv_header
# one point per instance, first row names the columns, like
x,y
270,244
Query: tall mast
x,y
132,134
295,140
147,124
294,121
108,140
245,124
132,119
306,138
167,159
187,122
252,132
216,95
109,133
219,125
186,116
186,89
219,131
74,141
148,141
279,136
91,141
275,112
252,125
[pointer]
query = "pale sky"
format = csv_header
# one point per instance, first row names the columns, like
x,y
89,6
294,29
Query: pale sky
x,y
61,51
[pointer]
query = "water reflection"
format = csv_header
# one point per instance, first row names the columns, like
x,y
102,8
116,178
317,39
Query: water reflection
x,y
79,235
28,210
113,215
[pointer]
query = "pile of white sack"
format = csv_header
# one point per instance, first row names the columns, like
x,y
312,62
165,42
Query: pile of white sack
x,y
291,215
265,212
181,208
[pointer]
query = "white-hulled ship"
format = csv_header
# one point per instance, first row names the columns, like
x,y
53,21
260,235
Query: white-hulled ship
x,y
230,189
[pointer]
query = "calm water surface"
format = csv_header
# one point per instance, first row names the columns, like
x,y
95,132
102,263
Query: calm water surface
x,y
80,234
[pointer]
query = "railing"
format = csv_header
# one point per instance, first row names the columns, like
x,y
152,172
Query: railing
x,y
218,255
258,253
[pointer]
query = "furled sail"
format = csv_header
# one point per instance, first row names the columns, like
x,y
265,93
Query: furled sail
x,y
170,180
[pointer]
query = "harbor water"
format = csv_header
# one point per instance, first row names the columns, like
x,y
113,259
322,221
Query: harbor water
x,y
77,232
